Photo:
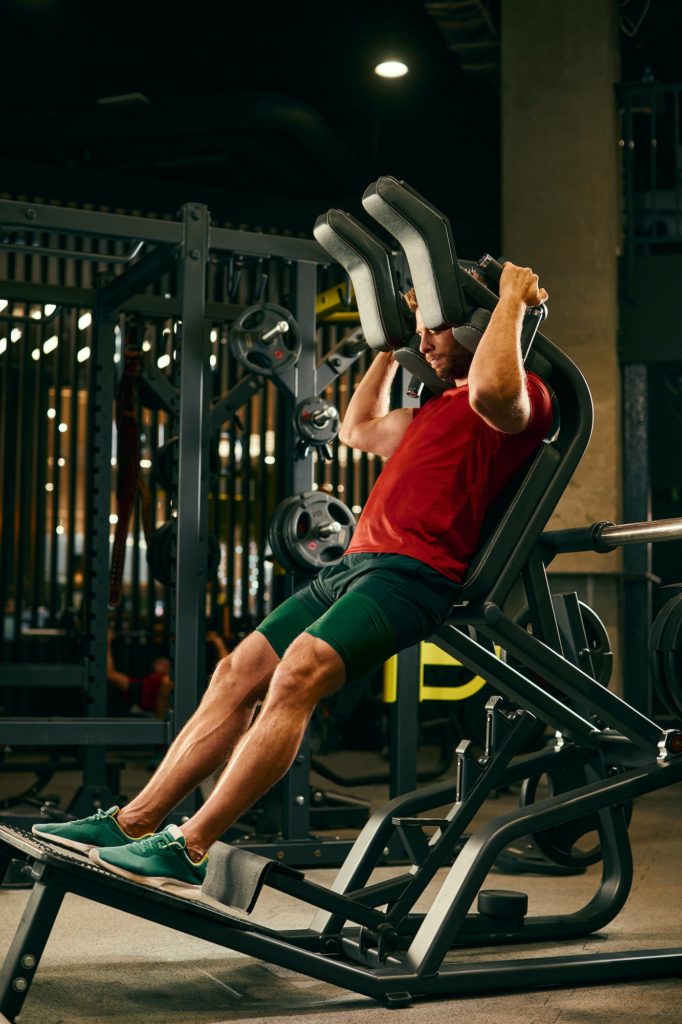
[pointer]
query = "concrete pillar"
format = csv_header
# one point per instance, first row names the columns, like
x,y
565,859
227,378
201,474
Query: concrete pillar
x,y
561,215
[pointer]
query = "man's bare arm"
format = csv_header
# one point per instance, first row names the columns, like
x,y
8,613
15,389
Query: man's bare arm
x,y
368,424
497,380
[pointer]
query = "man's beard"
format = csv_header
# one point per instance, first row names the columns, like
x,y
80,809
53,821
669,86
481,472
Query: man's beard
x,y
457,366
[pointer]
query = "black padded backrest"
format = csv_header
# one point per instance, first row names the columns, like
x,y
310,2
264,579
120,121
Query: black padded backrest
x,y
518,518
426,238
369,264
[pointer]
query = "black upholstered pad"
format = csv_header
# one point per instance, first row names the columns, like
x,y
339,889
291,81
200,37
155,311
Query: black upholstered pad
x,y
415,364
426,237
369,264
235,877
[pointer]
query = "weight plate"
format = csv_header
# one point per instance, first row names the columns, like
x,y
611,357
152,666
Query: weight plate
x,y
598,643
163,462
570,843
265,339
316,421
597,640
160,553
656,656
276,537
309,531
668,639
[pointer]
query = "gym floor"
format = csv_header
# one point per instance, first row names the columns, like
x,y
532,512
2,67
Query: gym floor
x,y
101,965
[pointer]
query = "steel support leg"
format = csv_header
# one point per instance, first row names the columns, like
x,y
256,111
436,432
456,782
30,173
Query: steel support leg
x,y
27,947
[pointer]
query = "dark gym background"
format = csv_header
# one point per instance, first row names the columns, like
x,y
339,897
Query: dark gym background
x,y
270,113
550,133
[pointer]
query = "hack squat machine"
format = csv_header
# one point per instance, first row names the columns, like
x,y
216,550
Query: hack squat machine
x,y
365,935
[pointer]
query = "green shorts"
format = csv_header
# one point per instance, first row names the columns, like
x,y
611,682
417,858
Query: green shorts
x,y
367,607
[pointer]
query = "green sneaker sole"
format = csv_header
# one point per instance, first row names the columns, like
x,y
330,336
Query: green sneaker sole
x,y
155,881
70,844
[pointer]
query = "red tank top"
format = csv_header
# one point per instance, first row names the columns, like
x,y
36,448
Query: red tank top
x,y
432,494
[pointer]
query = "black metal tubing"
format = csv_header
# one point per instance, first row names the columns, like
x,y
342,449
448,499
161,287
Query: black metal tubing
x,y
313,851
581,538
73,732
96,547
227,405
138,276
53,676
263,509
607,902
540,606
574,643
295,790
637,561
326,899
575,683
85,298
39,458
38,217
403,725
192,502
519,688
88,257
369,847
55,495
27,946
370,844
8,399
465,878
253,243
333,365
73,450
461,815
23,486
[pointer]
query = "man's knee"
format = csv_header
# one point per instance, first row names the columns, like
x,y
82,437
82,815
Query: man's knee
x,y
310,670
246,671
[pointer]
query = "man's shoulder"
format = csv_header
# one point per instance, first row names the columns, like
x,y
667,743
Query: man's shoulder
x,y
541,400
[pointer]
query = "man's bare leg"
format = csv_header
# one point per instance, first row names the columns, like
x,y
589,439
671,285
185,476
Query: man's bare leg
x,y
309,671
240,680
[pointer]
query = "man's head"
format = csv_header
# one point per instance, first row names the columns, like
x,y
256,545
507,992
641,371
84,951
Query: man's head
x,y
449,359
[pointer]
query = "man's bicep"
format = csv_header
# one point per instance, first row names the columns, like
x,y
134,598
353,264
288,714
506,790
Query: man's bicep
x,y
382,435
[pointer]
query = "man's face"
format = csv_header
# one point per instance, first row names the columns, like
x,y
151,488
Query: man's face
x,y
447,357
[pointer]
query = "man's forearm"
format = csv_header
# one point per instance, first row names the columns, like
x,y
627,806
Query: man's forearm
x,y
372,397
497,367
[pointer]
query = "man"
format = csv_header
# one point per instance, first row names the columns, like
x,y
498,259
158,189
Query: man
x,y
395,584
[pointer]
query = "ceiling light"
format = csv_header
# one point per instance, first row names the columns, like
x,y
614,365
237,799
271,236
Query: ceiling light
x,y
391,69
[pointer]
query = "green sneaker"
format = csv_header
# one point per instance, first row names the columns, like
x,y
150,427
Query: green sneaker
x,y
100,829
160,860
